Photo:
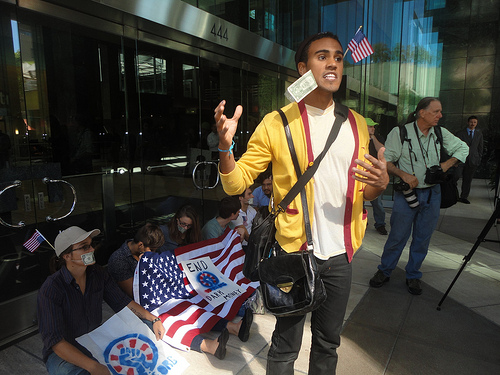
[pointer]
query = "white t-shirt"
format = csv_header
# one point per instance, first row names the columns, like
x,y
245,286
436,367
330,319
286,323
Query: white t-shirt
x,y
245,219
330,182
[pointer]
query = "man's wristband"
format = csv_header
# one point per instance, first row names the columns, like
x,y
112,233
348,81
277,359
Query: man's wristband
x,y
230,149
157,319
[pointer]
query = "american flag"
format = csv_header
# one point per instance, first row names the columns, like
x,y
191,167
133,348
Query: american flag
x,y
162,288
35,241
360,47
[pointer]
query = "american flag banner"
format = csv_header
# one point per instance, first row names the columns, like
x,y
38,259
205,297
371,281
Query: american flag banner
x,y
36,240
162,288
360,47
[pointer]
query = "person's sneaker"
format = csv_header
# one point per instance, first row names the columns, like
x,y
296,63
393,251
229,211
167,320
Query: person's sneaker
x,y
378,279
414,286
381,230
464,200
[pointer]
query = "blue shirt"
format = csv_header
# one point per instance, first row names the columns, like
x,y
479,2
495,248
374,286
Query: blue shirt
x,y
212,229
122,264
169,244
259,198
65,313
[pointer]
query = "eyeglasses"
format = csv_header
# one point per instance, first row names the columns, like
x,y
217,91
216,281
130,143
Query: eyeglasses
x,y
184,225
84,248
93,245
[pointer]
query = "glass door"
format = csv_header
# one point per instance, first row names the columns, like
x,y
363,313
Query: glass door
x,y
68,148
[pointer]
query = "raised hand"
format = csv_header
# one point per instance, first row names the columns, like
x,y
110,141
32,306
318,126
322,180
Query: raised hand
x,y
226,127
373,173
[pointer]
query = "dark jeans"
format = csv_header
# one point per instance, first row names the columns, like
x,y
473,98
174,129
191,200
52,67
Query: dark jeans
x,y
57,366
326,325
198,339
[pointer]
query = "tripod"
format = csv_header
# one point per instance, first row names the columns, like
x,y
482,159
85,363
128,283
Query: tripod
x,y
468,257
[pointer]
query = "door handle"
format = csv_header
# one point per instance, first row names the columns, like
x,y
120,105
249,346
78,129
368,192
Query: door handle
x,y
198,163
21,224
47,181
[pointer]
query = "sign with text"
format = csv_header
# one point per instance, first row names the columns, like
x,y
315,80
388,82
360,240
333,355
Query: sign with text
x,y
209,282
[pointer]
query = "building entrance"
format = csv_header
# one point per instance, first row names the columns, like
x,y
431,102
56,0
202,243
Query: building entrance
x,y
103,130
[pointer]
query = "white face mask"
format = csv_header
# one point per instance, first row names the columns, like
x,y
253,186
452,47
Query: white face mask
x,y
181,229
250,201
88,258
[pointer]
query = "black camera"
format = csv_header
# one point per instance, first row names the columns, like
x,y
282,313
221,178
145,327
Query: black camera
x,y
401,186
434,175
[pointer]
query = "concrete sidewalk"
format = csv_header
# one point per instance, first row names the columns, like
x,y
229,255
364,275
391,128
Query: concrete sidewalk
x,y
387,330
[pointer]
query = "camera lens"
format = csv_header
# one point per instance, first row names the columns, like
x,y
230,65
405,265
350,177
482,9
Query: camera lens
x,y
411,198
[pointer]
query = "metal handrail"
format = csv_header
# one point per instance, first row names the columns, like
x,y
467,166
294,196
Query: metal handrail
x,y
21,224
198,163
46,181
149,168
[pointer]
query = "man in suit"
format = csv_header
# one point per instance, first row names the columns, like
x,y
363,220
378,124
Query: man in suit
x,y
474,139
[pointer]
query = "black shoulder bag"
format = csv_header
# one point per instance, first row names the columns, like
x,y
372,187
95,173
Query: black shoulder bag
x,y
290,282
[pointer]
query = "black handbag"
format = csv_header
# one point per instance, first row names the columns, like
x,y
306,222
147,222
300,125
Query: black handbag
x,y
290,282
259,241
449,191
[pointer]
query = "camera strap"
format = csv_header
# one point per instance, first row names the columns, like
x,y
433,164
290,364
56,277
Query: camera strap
x,y
403,133
422,148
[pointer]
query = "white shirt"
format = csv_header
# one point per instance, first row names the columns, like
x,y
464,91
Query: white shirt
x,y
330,182
245,219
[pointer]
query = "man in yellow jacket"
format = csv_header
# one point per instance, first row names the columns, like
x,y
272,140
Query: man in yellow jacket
x,y
346,176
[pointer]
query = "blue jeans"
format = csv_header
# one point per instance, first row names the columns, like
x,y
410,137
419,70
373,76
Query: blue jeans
x,y
326,324
378,212
57,366
422,220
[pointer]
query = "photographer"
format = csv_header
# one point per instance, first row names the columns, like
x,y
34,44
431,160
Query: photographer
x,y
417,196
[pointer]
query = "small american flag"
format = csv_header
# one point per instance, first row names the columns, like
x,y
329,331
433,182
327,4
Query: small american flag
x,y
360,47
162,288
35,241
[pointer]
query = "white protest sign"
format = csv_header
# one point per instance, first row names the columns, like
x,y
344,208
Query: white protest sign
x,y
209,282
127,346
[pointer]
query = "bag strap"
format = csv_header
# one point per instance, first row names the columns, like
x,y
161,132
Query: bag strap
x,y
341,113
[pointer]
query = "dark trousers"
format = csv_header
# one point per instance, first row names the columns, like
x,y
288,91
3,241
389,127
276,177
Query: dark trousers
x,y
326,325
466,171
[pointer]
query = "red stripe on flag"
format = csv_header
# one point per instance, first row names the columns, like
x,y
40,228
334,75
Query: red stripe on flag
x,y
186,318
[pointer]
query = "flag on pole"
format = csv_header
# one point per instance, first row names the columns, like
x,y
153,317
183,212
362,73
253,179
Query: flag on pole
x,y
161,287
360,47
36,240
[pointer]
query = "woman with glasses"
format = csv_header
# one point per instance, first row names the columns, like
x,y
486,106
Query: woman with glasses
x,y
183,229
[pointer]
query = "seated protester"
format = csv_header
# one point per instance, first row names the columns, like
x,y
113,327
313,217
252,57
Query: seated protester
x,y
246,215
122,263
262,194
70,304
174,280
229,208
182,229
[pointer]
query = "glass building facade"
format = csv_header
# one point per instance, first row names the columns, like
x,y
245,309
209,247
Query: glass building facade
x,y
105,105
